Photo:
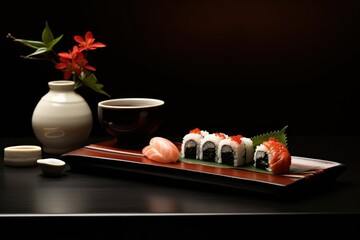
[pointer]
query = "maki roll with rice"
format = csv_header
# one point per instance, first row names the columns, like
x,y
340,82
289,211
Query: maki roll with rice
x,y
231,151
190,146
249,149
272,156
209,146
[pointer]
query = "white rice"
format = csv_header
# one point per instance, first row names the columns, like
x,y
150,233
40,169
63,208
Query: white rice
x,y
238,150
195,137
210,138
249,149
262,150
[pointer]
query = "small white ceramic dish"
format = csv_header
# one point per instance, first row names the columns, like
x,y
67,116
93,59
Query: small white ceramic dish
x,y
22,155
51,167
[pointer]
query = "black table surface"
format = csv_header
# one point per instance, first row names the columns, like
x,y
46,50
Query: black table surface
x,y
134,201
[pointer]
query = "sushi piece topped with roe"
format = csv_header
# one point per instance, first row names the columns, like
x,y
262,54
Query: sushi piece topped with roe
x,y
273,156
209,146
191,143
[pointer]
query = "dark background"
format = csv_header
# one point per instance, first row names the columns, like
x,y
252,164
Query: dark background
x,y
240,67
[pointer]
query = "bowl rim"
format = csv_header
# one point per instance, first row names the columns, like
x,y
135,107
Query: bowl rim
x,y
51,162
110,103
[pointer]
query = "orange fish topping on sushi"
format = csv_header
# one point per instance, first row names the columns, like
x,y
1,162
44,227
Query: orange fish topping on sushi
x,y
220,135
236,138
280,160
195,130
272,156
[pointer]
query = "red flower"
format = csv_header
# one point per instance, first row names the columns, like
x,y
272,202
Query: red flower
x,y
71,54
88,43
67,66
82,62
73,61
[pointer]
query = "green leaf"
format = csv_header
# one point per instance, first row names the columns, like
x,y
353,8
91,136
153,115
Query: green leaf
x,y
247,167
51,44
47,35
205,163
39,51
31,43
78,83
92,82
278,135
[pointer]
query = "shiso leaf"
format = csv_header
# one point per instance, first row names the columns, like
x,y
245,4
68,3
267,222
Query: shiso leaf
x,y
247,167
279,135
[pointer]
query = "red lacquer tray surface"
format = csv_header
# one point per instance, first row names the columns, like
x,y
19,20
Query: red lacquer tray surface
x,y
107,155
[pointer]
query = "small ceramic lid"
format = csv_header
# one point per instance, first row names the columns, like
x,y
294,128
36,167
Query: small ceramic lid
x,y
22,155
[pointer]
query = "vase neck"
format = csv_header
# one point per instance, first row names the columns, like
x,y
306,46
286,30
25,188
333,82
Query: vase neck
x,y
62,85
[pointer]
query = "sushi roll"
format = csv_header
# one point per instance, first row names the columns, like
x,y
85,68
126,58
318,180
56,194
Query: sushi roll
x,y
209,146
272,156
190,146
249,149
231,151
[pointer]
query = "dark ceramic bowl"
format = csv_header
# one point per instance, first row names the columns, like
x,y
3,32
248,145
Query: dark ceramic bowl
x,y
133,121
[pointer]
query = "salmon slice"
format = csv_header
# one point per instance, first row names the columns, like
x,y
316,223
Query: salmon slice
x,y
281,159
161,150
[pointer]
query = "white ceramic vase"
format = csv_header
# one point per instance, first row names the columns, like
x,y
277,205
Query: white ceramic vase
x,y
62,120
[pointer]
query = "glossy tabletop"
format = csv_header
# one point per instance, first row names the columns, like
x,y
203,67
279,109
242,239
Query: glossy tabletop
x,y
97,197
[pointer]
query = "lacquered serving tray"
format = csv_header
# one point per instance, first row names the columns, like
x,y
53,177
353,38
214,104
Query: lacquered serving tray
x,y
308,173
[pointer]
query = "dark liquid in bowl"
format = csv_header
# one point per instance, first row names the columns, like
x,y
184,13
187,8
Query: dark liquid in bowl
x,y
130,105
133,125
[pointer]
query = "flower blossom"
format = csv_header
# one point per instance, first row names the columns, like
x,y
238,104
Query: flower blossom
x,y
73,63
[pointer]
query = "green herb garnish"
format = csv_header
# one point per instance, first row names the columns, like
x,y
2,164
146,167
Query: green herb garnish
x,y
278,135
